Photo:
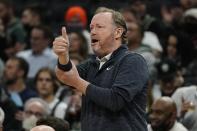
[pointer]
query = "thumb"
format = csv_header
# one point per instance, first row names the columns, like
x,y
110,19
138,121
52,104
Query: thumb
x,y
64,33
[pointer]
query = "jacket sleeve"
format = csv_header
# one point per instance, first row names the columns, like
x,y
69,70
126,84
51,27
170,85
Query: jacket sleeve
x,y
131,78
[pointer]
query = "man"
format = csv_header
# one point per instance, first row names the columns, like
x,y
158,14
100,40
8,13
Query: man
x,y
54,122
13,30
35,108
40,55
42,128
15,74
169,78
32,16
163,116
14,84
114,92
47,86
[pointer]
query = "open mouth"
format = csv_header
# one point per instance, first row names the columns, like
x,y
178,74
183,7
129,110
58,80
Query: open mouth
x,y
94,40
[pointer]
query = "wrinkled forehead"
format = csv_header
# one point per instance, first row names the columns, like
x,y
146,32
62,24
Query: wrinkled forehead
x,y
101,18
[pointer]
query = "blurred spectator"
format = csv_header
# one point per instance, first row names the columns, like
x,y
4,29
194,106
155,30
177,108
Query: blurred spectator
x,y
2,116
76,20
42,128
148,22
47,86
172,48
3,44
187,4
74,111
170,78
129,15
190,26
150,39
13,30
17,90
78,44
135,34
186,102
171,12
15,74
56,123
10,110
32,16
76,58
34,109
191,74
163,116
40,55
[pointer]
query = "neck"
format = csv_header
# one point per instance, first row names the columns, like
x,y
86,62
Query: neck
x,y
116,45
18,86
48,98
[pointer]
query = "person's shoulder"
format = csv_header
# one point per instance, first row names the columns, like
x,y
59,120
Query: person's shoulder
x,y
134,56
186,89
62,105
178,127
24,53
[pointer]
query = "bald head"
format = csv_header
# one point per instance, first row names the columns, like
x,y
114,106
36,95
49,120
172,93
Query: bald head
x,y
167,103
163,114
42,128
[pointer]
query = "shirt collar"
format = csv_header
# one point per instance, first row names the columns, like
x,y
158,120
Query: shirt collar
x,y
105,58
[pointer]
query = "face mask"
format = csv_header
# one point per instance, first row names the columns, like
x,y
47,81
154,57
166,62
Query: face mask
x,y
29,123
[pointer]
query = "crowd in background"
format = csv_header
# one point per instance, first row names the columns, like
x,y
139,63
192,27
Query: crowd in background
x,y
164,32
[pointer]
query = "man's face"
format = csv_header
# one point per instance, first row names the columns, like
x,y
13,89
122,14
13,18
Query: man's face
x,y
35,109
75,42
102,31
33,112
133,33
159,115
44,84
11,70
38,42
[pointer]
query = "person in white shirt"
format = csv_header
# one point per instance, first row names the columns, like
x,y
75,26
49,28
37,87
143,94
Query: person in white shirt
x,y
47,86
163,116
186,102
40,55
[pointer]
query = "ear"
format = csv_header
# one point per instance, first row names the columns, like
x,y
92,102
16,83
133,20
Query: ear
x,y
118,33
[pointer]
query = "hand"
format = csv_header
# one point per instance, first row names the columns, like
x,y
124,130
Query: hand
x,y
61,47
72,79
186,106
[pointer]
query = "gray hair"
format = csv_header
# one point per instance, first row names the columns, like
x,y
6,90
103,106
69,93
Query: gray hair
x,y
118,20
41,101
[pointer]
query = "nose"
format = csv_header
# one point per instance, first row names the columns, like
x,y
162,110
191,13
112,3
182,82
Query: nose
x,y
93,31
152,116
